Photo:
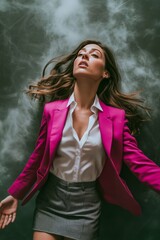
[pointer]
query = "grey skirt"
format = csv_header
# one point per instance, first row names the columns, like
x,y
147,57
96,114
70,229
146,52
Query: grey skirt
x,y
68,209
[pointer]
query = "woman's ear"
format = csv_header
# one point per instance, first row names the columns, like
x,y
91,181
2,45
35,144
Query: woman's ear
x,y
106,74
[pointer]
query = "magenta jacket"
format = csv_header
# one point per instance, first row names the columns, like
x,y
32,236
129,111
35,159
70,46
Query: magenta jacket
x,y
119,145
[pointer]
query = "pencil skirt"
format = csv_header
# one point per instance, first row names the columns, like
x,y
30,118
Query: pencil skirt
x,y
69,209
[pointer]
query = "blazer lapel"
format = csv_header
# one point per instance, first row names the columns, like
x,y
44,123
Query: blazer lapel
x,y
106,128
57,125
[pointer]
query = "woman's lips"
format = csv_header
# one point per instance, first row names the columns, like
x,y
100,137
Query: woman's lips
x,y
83,64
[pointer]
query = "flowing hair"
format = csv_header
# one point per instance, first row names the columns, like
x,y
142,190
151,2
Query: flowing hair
x,y
59,84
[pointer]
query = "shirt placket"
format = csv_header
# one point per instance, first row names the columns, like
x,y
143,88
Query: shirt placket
x,y
77,163
80,143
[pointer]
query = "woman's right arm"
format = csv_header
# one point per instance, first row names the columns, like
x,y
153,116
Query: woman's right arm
x,y
23,183
8,209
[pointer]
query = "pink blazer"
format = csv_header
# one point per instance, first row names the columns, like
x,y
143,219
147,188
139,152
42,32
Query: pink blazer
x,y
119,145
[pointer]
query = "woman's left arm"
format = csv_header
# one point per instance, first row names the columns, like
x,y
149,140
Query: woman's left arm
x,y
147,171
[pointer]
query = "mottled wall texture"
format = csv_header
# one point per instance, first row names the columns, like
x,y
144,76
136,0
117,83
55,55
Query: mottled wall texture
x,y
32,32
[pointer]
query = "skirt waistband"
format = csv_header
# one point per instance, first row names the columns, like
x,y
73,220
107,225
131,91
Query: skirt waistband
x,y
58,180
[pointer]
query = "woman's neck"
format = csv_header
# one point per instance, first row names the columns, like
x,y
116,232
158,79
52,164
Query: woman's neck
x,y
84,95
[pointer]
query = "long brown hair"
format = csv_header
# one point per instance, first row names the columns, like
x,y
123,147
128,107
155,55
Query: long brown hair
x,y
59,84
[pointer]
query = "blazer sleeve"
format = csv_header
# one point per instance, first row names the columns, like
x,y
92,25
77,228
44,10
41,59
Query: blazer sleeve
x,y
27,177
147,171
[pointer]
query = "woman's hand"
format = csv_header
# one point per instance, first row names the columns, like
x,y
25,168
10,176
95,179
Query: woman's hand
x,y
8,208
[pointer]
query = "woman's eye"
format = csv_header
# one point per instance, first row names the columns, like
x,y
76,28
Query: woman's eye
x,y
95,55
79,54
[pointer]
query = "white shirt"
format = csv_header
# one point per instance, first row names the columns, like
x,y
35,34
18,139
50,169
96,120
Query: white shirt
x,y
80,160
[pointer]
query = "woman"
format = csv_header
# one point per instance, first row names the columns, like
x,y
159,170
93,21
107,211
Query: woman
x,y
83,140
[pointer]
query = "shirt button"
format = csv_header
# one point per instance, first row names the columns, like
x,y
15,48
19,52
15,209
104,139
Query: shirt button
x,y
77,153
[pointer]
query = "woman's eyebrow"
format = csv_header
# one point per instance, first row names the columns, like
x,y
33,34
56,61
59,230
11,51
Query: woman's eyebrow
x,y
93,49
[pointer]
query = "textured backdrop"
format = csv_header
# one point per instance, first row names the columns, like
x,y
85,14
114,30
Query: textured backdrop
x,y
32,32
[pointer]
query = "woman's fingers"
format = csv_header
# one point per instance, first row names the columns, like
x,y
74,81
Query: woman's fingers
x,y
6,219
14,217
10,217
2,217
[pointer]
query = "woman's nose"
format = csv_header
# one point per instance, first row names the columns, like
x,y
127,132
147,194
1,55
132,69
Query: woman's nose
x,y
85,56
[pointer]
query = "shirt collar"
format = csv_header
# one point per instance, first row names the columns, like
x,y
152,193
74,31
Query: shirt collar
x,y
95,105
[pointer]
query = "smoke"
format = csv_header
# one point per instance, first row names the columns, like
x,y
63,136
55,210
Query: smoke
x,y
34,31
4,6
50,28
60,26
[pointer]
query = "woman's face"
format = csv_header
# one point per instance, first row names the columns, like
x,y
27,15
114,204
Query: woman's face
x,y
90,63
